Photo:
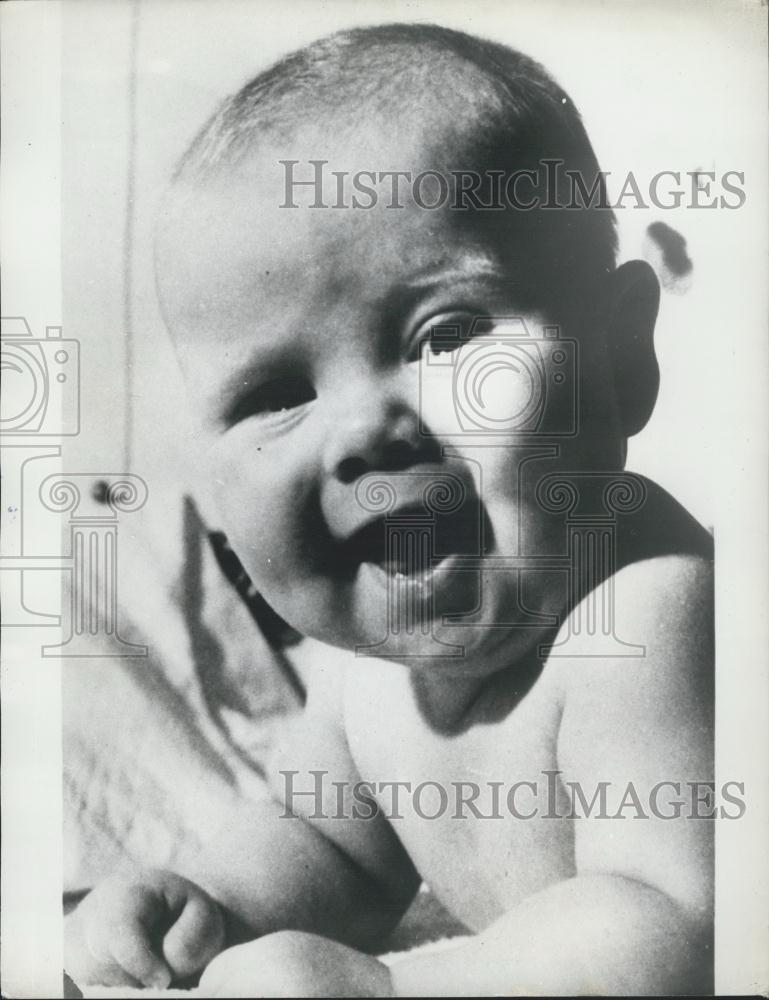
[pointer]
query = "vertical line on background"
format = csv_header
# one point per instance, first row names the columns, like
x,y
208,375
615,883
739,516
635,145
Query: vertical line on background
x,y
128,239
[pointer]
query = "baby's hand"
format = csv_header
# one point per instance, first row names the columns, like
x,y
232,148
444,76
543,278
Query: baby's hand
x,y
295,964
145,930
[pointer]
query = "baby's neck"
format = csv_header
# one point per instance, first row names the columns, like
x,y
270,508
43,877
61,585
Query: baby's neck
x,y
451,702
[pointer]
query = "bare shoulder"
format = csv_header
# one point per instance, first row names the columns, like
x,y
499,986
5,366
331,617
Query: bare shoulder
x,y
666,592
663,613
642,725
666,605
658,699
661,609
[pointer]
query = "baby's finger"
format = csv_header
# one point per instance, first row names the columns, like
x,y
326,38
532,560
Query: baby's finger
x,y
120,938
196,937
82,965
133,953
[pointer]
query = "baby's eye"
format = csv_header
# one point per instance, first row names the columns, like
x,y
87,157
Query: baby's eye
x,y
443,335
277,396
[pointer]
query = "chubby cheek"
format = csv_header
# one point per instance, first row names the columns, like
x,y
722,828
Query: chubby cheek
x,y
265,503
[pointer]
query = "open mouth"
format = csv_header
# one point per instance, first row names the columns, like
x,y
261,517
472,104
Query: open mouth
x,y
409,545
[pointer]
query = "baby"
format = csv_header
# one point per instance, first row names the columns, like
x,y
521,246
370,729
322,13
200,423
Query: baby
x,y
415,366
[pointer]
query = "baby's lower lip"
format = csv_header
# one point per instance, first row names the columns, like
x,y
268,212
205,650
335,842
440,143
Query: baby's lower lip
x,y
420,584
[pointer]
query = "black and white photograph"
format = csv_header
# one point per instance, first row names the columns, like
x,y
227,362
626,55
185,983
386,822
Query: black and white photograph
x,y
385,439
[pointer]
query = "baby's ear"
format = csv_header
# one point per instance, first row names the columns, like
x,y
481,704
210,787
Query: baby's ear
x,y
633,301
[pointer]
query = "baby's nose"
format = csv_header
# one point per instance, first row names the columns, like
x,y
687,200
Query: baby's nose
x,y
375,433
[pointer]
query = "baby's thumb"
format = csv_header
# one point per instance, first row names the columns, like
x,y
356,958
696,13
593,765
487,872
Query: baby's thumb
x,y
196,937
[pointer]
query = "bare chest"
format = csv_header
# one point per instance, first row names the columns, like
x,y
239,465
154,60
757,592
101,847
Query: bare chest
x,y
471,807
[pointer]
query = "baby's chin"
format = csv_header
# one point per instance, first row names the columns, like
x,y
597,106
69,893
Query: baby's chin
x,y
466,652
434,648
442,656
455,616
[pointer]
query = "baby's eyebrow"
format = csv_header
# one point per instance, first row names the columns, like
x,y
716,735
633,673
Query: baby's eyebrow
x,y
403,299
479,266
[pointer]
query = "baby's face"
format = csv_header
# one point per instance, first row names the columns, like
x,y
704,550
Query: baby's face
x,y
307,339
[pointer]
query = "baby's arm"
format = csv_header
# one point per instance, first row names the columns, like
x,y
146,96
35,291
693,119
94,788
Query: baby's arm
x,y
296,862
345,878
638,916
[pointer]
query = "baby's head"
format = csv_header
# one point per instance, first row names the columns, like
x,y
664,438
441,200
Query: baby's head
x,y
322,328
